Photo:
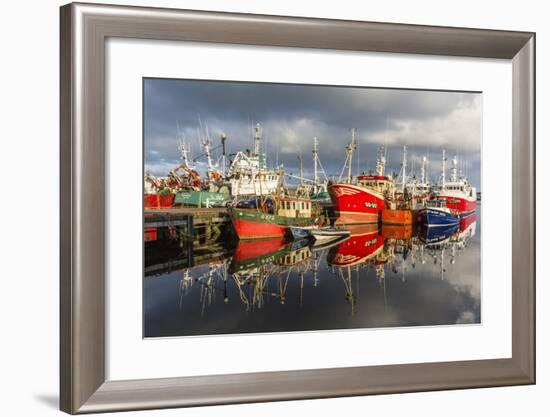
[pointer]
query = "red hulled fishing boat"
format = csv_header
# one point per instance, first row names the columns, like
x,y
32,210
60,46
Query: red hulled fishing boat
x,y
157,193
459,194
360,199
363,244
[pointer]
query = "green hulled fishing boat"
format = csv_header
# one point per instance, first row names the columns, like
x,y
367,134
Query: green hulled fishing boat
x,y
261,224
200,198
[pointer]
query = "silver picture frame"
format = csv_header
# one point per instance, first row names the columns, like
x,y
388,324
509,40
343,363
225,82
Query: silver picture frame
x,y
83,34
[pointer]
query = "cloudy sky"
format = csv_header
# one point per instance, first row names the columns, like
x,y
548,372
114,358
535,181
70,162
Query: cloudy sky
x,y
292,115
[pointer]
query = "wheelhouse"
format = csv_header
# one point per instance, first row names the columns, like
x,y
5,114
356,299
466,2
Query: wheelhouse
x,y
378,183
294,207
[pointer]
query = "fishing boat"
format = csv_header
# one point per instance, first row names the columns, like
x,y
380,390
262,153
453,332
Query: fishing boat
x,y
248,173
190,188
397,217
182,186
244,173
201,199
364,243
158,201
275,221
150,234
157,193
402,232
419,188
360,199
458,193
250,254
328,233
468,224
295,253
431,235
321,245
300,232
437,214
398,205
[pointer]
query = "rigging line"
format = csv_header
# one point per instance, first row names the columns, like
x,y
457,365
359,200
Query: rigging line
x,y
357,150
342,172
322,169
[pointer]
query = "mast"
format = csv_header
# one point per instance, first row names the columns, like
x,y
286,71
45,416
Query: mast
x,y
349,152
423,167
381,161
454,170
224,157
301,171
257,139
257,147
404,168
206,147
443,168
184,153
315,173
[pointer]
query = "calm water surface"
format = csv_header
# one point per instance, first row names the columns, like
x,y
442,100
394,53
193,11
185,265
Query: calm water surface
x,y
379,277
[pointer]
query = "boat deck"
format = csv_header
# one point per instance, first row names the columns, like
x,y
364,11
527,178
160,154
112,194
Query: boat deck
x,y
179,216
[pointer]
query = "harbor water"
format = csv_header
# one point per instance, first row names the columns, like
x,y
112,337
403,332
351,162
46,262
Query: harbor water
x,y
379,277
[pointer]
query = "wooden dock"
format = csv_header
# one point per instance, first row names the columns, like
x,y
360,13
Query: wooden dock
x,y
198,225
161,261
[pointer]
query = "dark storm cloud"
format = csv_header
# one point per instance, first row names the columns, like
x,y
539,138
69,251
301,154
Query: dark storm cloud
x,y
291,115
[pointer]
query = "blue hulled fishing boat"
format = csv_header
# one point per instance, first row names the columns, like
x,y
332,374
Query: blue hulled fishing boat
x,y
431,235
437,214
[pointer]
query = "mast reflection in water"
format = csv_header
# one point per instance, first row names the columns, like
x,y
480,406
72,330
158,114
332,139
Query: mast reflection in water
x,y
378,277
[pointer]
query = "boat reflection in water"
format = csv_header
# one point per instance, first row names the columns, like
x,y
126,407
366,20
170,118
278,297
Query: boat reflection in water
x,y
386,276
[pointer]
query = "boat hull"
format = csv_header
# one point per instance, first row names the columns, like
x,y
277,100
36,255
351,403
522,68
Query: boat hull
x,y
355,204
324,234
462,205
202,198
363,244
432,217
436,235
251,254
254,224
299,232
392,231
150,234
467,220
158,201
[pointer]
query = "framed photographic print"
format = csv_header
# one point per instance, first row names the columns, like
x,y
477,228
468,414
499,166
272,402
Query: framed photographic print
x,y
348,205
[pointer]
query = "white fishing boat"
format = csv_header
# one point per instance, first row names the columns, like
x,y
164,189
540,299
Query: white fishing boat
x,y
322,245
459,194
248,173
242,174
328,233
419,188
